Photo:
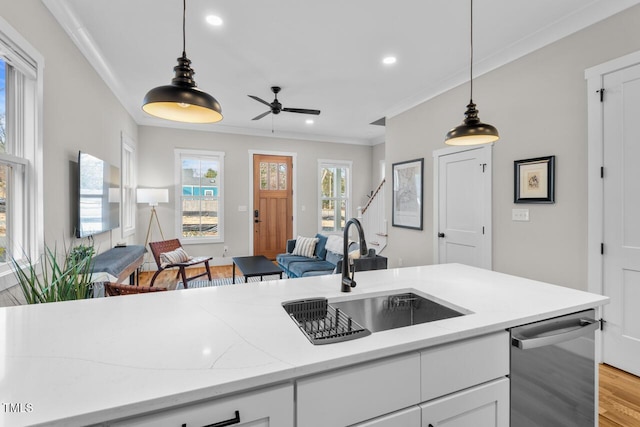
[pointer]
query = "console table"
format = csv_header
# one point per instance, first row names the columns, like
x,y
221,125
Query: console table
x,y
117,263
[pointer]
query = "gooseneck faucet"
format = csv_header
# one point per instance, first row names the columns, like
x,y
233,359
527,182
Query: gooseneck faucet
x,y
348,281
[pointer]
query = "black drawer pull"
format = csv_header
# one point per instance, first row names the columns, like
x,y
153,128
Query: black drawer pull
x,y
232,421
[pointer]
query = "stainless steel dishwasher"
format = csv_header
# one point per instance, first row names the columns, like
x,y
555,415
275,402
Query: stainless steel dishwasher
x,y
553,372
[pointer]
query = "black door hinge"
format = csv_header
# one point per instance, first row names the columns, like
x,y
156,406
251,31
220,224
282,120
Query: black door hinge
x,y
601,171
601,92
601,248
602,322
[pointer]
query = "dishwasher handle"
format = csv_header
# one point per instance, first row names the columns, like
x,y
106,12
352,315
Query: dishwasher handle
x,y
547,337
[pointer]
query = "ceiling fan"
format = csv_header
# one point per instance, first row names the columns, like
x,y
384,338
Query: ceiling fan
x,y
276,106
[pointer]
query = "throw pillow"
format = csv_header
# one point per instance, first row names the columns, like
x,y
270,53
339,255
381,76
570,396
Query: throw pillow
x,y
334,244
321,251
305,246
173,257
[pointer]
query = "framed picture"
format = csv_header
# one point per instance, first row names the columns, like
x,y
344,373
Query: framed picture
x,y
534,180
407,194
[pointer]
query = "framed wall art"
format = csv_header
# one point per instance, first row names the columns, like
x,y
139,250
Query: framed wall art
x,y
407,194
534,180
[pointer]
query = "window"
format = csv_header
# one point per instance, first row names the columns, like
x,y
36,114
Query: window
x,y
128,179
21,196
200,194
335,194
273,176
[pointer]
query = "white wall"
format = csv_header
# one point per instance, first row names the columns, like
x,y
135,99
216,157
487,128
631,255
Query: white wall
x,y
156,157
539,105
80,113
377,155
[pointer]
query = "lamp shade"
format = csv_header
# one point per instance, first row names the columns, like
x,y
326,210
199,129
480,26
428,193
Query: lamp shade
x,y
472,131
114,195
182,101
152,196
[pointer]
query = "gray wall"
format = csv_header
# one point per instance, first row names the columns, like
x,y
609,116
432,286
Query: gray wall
x,y
80,113
539,104
156,157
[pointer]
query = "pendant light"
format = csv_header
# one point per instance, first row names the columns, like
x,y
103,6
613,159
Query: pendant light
x,y
182,101
472,131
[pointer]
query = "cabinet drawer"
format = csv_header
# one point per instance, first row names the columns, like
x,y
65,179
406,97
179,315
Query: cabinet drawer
x,y
273,407
452,367
486,405
362,392
405,418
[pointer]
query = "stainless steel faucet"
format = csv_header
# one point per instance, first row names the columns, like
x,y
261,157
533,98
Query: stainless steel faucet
x,y
348,281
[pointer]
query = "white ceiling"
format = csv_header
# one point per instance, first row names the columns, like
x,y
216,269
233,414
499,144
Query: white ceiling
x,y
326,54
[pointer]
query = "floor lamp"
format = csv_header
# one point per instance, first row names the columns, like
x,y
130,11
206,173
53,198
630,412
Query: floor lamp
x,y
152,196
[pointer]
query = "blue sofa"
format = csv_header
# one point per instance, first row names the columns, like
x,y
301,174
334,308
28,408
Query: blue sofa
x,y
323,261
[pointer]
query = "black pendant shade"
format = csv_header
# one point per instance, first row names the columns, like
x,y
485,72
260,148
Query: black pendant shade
x,y
472,131
182,101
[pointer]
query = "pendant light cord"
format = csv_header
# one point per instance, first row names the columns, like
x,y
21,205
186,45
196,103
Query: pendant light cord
x,y
471,67
184,33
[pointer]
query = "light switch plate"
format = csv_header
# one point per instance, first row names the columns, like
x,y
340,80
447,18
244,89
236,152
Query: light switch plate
x,y
520,214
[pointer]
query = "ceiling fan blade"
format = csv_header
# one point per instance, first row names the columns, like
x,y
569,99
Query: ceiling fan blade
x,y
260,100
301,111
261,115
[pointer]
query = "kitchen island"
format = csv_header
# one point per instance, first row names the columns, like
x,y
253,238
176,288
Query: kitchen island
x,y
113,359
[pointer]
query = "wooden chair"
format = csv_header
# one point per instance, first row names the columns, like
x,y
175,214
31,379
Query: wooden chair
x,y
171,245
114,289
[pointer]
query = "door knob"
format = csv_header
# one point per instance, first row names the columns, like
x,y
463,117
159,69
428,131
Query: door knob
x,y
441,235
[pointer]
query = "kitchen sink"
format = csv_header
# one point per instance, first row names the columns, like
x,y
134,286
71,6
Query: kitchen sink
x,y
385,312
325,322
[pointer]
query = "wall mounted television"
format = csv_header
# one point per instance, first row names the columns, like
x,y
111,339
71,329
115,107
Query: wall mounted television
x,y
98,196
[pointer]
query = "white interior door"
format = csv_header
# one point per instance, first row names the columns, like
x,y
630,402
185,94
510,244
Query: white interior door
x,y
621,256
462,206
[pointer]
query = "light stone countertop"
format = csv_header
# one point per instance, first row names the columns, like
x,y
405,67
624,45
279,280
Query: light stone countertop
x,y
82,362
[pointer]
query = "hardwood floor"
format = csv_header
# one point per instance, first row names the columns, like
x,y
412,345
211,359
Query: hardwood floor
x,y
619,398
619,404
167,279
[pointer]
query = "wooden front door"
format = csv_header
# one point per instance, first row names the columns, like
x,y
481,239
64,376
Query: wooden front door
x,y
272,204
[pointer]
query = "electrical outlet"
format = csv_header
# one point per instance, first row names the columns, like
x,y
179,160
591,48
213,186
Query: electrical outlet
x,y
226,249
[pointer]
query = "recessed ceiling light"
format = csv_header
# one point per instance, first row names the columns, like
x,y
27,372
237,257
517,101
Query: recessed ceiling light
x,y
214,20
389,60
309,121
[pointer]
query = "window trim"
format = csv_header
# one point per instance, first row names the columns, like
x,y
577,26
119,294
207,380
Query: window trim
x,y
322,163
178,155
128,170
23,57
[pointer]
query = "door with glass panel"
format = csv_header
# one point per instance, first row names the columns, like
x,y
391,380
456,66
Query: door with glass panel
x,y
272,204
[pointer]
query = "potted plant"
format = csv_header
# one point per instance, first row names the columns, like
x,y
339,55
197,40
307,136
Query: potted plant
x,y
54,276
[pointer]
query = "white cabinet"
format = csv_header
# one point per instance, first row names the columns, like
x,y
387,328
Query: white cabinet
x,y
362,392
456,383
272,407
486,405
405,418
452,367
